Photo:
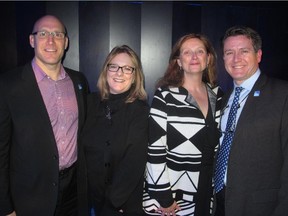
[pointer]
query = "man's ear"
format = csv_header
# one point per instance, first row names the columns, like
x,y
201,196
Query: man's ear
x,y
31,40
66,43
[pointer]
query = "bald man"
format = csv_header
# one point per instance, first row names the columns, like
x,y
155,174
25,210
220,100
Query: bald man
x,y
42,110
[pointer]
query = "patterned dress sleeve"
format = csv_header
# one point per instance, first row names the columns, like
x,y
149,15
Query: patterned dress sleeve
x,y
157,178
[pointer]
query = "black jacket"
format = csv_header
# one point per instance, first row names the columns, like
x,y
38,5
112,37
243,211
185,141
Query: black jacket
x,y
29,165
115,141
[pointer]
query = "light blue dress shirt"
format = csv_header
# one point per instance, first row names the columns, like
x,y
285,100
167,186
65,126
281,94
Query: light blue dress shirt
x,y
247,85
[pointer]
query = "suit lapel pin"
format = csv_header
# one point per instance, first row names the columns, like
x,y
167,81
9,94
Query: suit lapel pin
x,y
79,86
257,93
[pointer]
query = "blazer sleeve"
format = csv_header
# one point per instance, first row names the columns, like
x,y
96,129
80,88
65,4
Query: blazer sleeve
x,y
282,207
6,206
157,177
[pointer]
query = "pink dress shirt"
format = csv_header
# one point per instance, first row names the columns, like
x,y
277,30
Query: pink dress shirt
x,y
61,104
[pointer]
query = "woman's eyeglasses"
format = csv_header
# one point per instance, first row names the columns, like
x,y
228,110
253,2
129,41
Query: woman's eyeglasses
x,y
125,69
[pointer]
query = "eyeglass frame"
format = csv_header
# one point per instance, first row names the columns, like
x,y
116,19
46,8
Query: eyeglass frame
x,y
119,67
233,126
47,33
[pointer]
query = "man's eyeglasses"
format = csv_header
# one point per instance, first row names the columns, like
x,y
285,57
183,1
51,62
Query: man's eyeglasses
x,y
125,69
45,34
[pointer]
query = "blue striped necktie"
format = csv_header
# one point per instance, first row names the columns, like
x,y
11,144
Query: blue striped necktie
x,y
224,150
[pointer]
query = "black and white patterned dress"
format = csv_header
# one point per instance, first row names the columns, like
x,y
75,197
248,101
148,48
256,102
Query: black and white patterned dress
x,y
182,145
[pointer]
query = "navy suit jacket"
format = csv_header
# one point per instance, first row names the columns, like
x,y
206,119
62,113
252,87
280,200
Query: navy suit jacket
x,y
257,178
29,165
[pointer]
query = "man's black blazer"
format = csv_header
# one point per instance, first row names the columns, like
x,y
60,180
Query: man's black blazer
x,y
257,176
28,152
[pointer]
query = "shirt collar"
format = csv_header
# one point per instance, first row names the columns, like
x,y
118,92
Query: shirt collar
x,y
40,74
249,83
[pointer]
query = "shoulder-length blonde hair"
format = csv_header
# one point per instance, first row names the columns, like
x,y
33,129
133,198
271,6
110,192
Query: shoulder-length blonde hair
x,y
174,76
137,90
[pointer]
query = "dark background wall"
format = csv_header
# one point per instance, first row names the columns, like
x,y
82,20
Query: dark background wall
x,y
149,27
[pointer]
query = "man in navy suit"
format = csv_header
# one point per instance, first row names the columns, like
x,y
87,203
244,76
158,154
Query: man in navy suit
x,y
255,180
42,110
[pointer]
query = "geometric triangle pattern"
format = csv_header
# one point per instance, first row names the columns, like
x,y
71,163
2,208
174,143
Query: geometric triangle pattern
x,y
176,130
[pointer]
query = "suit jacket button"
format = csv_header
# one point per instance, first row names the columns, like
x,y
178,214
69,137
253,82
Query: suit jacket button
x,y
107,164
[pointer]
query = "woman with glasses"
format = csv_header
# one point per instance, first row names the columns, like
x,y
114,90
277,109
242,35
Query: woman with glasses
x,y
115,136
183,132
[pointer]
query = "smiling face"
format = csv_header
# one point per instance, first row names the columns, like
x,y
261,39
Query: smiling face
x,y
50,50
240,59
193,56
120,82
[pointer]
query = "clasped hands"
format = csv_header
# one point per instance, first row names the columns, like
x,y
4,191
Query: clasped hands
x,y
171,210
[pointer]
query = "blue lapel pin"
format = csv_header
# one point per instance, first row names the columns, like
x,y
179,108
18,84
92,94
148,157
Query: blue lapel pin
x,y
79,86
257,93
